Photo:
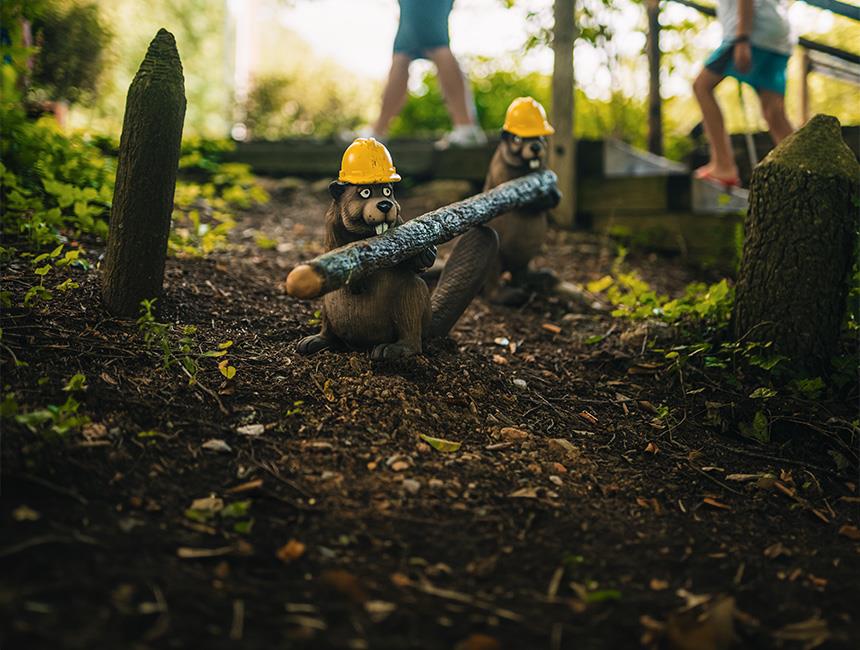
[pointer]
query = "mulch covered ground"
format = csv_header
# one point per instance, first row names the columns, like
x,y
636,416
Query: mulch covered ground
x,y
576,513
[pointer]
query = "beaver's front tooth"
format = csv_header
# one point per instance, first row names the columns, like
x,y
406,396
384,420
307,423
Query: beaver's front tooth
x,y
535,163
385,227
380,228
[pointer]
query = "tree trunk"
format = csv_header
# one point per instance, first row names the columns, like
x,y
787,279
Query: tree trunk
x,y
145,180
563,151
655,116
798,250
354,261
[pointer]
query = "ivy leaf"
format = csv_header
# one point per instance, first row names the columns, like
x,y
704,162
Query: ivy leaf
x,y
226,369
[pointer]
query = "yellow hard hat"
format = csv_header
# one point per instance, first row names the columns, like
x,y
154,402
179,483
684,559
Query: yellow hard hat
x,y
527,118
365,162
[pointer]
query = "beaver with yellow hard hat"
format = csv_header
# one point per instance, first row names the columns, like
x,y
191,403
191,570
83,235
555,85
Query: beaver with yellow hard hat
x,y
391,311
522,150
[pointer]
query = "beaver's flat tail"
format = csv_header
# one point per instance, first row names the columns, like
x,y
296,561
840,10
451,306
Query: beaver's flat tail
x,y
462,278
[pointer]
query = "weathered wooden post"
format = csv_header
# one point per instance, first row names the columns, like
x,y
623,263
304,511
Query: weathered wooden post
x,y
563,158
655,109
145,180
800,236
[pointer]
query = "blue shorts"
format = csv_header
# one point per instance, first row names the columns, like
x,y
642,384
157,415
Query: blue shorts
x,y
767,71
423,26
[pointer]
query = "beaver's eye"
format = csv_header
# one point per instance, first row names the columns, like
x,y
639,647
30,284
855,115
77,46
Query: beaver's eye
x,y
386,191
518,140
365,193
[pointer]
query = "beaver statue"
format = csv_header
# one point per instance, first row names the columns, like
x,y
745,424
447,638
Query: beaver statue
x,y
391,311
522,149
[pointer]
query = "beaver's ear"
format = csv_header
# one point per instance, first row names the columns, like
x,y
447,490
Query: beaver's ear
x,y
336,189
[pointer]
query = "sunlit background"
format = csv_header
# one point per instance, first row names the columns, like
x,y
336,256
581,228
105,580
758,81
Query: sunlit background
x,y
316,67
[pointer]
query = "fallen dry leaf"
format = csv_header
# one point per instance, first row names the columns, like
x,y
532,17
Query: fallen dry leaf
x,y
290,551
812,632
187,553
549,327
246,487
713,629
588,417
851,532
651,448
345,583
216,444
525,493
658,585
400,580
715,504
499,360
512,433
478,642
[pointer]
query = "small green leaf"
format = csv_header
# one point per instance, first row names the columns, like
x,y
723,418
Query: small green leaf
x,y
594,338
236,509
76,382
243,527
602,595
43,270
225,345
440,444
600,285
763,393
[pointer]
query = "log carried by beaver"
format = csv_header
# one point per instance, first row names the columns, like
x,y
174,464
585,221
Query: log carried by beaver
x,y
359,258
374,297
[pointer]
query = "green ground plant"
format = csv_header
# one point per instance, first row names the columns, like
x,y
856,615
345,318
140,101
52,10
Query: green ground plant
x,y
763,387
180,350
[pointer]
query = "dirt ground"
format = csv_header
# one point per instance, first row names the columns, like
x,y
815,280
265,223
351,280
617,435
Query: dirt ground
x,y
577,513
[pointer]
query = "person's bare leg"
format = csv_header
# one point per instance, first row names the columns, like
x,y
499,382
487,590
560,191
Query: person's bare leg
x,y
722,163
453,85
394,95
773,110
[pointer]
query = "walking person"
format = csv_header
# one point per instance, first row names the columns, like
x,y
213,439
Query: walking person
x,y
757,43
423,34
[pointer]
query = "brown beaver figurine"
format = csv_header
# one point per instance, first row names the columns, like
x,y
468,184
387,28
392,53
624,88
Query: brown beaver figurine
x,y
523,149
390,311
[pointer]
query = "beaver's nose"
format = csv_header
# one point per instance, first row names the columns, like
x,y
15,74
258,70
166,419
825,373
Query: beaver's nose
x,y
535,147
384,206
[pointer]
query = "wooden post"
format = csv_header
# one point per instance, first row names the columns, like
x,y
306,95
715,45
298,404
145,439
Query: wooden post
x,y
799,246
805,67
355,261
563,159
655,117
145,180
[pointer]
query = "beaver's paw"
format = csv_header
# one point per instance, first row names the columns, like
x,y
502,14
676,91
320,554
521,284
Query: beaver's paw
x,y
313,344
425,258
542,280
510,296
391,351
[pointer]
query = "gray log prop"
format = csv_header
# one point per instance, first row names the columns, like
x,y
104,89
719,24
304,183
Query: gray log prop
x,y
354,261
799,245
145,180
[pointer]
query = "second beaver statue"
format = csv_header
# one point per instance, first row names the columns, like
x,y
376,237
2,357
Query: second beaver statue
x,y
522,150
391,311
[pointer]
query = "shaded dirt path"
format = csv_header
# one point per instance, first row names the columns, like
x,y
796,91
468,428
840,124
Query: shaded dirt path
x,y
572,516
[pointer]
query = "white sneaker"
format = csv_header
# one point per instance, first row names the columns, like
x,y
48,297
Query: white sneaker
x,y
348,135
465,135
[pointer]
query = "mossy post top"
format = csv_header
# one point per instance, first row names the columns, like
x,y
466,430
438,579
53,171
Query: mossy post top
x,y
162,61
817,147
